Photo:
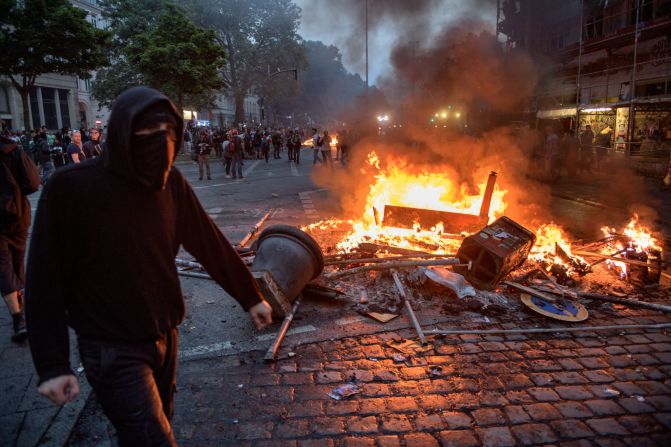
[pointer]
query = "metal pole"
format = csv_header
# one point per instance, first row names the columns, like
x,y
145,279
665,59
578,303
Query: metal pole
x,y
408,307
632,88
550,330
367,60
271,354
577,82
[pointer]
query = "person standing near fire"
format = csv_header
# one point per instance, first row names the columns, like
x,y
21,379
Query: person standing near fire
x,y
586,150
315,146
114,281
204,145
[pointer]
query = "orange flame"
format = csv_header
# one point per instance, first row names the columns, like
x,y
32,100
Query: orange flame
x,y
398,183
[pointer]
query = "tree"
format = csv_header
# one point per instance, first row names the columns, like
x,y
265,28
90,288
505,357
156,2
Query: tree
x,y
178,57
155,43
47,36
260,37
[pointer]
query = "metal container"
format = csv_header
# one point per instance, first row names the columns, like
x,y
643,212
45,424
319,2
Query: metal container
x,y
494,251
286,260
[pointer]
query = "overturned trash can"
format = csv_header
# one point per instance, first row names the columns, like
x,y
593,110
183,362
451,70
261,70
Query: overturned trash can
x,y
494,251
286,260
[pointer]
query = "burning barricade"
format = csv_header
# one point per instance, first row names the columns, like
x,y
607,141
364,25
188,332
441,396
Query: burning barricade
x,y
423,239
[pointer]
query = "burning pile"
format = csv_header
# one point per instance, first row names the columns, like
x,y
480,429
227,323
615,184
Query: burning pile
x,y
421,219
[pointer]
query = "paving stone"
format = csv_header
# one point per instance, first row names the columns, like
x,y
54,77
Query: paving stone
x,y
401,404
359,442
516,381
455,420
492,399
495,437
542,412
621,361
541,379
327,426
429,422
518,397
604,407
573,410
315,443
396,424
335,408
329,377
420,440
488,416
593,362
653,388
628,388
607,426
490,346
664,419
516,414
640,424
458,438
609,442
388,441
367,424
569,378
598,376
573,392
256,430
372,406
662,403
543,394
310,408
375,389
292,428
529,434
571,429
385,375
455,401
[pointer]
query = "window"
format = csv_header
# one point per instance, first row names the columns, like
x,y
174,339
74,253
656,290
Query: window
x,y
65,107
34,109
4,100
49,106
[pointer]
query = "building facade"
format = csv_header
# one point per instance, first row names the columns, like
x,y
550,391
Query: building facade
x,y
607,64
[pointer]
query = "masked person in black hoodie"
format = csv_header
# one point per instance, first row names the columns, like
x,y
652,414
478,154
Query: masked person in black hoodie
x,y
114,280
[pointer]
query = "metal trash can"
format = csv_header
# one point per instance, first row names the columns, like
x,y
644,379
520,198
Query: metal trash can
x,y
286,260
494,251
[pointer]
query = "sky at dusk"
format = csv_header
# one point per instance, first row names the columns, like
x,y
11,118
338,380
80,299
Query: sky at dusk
x,y
341,23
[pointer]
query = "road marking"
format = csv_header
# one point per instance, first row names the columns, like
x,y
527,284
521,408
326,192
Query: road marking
x,y
308,205
214,210
245,173
249,170
298,330
205,349
294,171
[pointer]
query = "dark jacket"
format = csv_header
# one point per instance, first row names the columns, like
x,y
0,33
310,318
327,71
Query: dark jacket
x,y
21,176
102,255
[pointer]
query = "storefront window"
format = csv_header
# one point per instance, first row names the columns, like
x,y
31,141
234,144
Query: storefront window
x,y
49,105
65,107
34,109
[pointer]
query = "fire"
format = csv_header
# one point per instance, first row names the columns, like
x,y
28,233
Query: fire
x,y
548,238
334,141
397,183
637,239
640,237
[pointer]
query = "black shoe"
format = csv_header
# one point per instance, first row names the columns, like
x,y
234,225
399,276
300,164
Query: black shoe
x,y
20,331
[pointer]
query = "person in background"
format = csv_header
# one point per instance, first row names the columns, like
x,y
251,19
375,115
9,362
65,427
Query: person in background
x,y
93,148
75,149
18,179
586,150
325,146
204,144
315,146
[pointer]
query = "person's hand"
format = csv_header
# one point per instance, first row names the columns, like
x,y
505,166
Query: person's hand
x,y
61,389
261,314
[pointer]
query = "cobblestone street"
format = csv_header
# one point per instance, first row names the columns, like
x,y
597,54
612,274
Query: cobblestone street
x,y
584,388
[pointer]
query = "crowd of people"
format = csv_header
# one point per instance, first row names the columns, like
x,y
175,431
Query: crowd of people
x,y
552,154
243,142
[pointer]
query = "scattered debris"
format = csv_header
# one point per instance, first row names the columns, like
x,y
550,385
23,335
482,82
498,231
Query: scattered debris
x,y
561,309
382,318
399,358
435,371
453,281
410,347
611,392
344,391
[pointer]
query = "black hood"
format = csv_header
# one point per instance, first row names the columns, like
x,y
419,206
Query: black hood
x,y
127,107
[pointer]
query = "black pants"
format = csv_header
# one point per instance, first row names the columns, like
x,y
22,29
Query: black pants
x,y
12,251
135,385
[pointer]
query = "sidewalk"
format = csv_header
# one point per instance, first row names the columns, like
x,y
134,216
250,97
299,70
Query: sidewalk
x,y
581,389
26,418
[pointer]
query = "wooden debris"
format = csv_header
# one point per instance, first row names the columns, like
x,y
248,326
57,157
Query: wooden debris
x,y
382,318
392,265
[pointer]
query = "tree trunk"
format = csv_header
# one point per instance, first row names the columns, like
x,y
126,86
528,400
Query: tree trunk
x,y
24,90
180,103
239,108
26,112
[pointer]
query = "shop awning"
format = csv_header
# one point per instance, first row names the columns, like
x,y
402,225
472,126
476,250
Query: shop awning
x,y
556,113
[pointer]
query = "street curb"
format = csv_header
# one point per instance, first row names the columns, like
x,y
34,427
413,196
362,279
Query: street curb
x,y
60,428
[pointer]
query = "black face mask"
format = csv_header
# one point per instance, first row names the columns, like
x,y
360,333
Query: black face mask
x,y
152,156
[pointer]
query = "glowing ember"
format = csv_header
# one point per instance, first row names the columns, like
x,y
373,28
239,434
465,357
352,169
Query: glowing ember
x,y
548,238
